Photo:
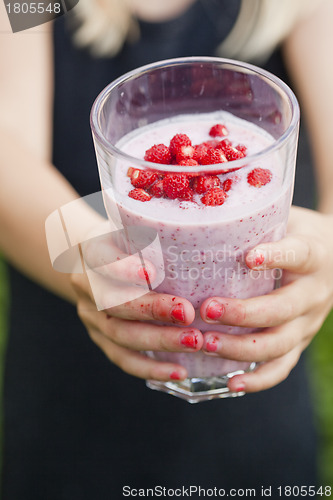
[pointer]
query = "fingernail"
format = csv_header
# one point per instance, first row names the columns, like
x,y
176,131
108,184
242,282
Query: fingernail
x,y
175,376
177,313
214,310
212,344
256,258
189,340
143,274
240,388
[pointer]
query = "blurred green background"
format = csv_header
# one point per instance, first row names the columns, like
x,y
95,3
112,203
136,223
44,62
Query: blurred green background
x,y
321,360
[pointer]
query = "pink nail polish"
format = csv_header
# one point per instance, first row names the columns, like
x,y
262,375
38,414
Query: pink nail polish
x,y
214,310
240,388
177,313
189,340
175,376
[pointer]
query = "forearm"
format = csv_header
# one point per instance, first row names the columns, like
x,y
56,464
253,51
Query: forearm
x,y
308,53
30,191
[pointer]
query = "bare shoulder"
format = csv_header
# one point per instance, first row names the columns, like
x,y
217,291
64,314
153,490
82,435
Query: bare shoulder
x,y
26,84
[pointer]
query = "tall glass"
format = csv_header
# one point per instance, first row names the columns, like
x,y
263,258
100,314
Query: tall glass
x,y
193,87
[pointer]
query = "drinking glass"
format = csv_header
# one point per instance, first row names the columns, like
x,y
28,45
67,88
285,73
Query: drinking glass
x,y
193,87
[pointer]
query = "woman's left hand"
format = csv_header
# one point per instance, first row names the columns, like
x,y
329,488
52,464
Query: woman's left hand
x,y
290,316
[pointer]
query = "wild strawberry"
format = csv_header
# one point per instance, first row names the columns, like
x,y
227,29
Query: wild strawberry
x,y
157,189
232,153
143,178
187,195
139,194
242,148
184,152
213,156
259,177
177,142
226,186
159,153
211,143
224,143
189,162
213,197
175,185
203,183
218,130
200,151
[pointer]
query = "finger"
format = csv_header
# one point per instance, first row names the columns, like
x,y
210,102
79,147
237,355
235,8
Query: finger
x,y
150,306
157,307
280,306
259,346
141,336
102,256
105,292
137,364
266,375
293,253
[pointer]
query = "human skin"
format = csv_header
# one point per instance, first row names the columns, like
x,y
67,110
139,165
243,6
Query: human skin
x,y
290,316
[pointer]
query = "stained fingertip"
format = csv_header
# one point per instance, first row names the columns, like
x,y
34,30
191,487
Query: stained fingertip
x,y
177,313
214,311
237,384
211,344
177,375
256,258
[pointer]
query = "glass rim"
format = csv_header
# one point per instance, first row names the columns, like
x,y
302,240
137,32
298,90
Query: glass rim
x,y
235,164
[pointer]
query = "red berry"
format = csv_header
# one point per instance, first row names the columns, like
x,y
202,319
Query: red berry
x,y
259,177
159,153
213,156
130,171
218,130
242,149
157,189
175,185
232,153
187,195
189,162
226,186
214,197
177,142
143,178
212,143
200,151
225,142
203,183
139,194
184,152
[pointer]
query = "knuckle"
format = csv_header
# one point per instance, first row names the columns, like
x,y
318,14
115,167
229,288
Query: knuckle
x,y
81,310
88,252
314,254
166,341
112,330
157,309
240,313
76,281
156,372
123,363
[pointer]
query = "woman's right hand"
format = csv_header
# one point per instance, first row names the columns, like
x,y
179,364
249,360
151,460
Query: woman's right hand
x,y
126,329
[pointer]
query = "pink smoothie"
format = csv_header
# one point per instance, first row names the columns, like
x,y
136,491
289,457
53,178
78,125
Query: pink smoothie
x,y
204,247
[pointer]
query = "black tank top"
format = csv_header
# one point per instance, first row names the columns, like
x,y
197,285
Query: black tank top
x,y
76,426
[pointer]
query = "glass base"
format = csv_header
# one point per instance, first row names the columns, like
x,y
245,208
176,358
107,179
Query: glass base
x,y
195,389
